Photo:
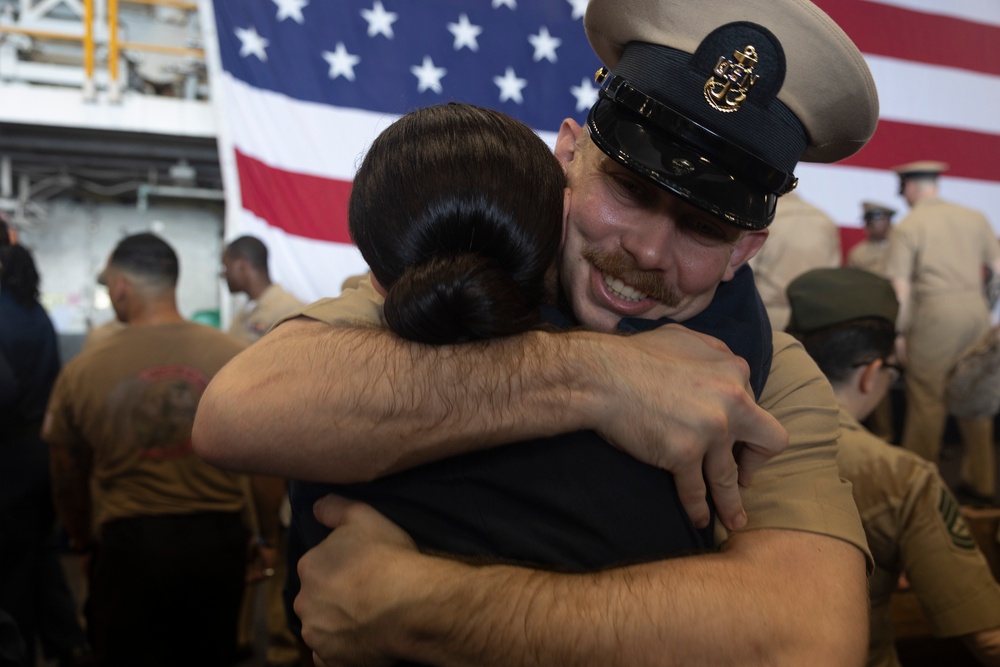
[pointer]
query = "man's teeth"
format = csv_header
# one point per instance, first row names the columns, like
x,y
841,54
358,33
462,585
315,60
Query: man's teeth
x,y
623,291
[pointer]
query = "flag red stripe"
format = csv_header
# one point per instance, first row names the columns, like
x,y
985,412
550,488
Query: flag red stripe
x,y
969,154
910,35
308,206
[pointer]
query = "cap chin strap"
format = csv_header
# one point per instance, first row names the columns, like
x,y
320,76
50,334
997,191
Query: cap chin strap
x,y
747,166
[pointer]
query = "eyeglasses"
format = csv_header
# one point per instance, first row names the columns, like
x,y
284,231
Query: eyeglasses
x,y
895,370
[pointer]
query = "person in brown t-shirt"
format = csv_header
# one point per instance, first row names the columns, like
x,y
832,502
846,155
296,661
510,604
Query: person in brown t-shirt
x,y
164,530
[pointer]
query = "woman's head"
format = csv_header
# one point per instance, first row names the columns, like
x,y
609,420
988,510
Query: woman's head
x,y
458,212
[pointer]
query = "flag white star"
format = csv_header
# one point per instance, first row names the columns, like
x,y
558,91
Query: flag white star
x,y
251,43
465,33
585,94
341,62
428,76
291,9
579,8
512,4
379,21
510,86
545,45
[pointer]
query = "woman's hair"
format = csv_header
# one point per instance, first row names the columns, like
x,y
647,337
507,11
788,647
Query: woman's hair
x,y
18,274
458,212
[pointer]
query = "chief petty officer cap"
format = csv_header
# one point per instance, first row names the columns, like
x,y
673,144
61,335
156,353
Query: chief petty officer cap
x,y
874,210
716,101
920,169
824,297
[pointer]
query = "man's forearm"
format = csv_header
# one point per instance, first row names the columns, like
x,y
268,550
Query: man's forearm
x,y
343,404
70,471
779,598
338,404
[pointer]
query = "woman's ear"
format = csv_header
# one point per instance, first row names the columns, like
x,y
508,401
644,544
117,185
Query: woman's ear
x,y
377,285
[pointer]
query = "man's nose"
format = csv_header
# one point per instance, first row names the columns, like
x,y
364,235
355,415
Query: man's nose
x,y
652,244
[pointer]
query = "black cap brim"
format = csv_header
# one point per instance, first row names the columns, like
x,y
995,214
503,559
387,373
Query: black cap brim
x,y
677,167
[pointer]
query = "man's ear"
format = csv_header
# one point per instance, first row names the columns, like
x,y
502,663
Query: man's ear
x,y
118,288
566,140
866,379
746,247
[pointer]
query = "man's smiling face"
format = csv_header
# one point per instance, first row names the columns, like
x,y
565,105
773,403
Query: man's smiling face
x,y
634,250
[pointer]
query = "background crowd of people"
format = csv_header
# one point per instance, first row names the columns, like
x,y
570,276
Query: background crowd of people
x,y
187,468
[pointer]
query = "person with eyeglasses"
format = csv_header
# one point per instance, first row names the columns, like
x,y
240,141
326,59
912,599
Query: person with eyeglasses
x,y
845,318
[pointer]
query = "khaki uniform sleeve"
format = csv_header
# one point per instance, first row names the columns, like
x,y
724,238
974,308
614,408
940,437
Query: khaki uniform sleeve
x,y
801,488
358,306
899,257
948,573
991,246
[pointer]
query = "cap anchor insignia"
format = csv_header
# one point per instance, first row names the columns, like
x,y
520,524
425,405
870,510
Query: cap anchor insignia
x,y
728,94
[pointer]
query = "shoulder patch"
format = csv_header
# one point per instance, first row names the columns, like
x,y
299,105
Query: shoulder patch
x,y
951,514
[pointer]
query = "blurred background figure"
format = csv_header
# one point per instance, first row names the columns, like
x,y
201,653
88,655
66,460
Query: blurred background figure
x,y
245,269
869,255
846,318
802,237
936,260
164,531
244,266
33,588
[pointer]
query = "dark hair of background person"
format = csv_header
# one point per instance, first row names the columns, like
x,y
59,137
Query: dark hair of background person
x,y
251,249
18,275
4,232
146,255
458,212
839,349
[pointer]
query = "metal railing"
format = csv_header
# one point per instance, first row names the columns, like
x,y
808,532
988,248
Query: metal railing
x,y
116,47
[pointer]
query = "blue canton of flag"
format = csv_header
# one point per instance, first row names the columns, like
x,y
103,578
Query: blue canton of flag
x,y
530,59
305,85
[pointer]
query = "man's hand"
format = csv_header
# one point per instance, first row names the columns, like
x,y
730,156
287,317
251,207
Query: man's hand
x,y
683,402
342,577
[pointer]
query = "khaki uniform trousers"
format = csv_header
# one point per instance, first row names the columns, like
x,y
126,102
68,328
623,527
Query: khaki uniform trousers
x,y
942,328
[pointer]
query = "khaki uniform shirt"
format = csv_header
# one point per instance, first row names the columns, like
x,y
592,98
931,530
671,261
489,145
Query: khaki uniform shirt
x,y
801,238
800,489
130,398
254,320
869,256
941,248
914,525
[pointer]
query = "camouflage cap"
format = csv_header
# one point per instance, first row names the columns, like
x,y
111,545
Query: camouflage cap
x,y
718,102
824,297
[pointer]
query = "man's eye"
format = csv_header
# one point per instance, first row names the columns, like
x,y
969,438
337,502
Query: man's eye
x,y
630,187
706,229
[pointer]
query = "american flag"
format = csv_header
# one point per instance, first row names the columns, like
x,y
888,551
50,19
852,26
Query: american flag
x,y
303,86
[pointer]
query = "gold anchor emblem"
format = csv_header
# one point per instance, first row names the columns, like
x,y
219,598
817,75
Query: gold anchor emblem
x,y
728,92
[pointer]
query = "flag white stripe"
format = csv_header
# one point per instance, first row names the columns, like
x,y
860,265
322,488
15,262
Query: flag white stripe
x,y
839,191
936,96
304,137
978,11
327,141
